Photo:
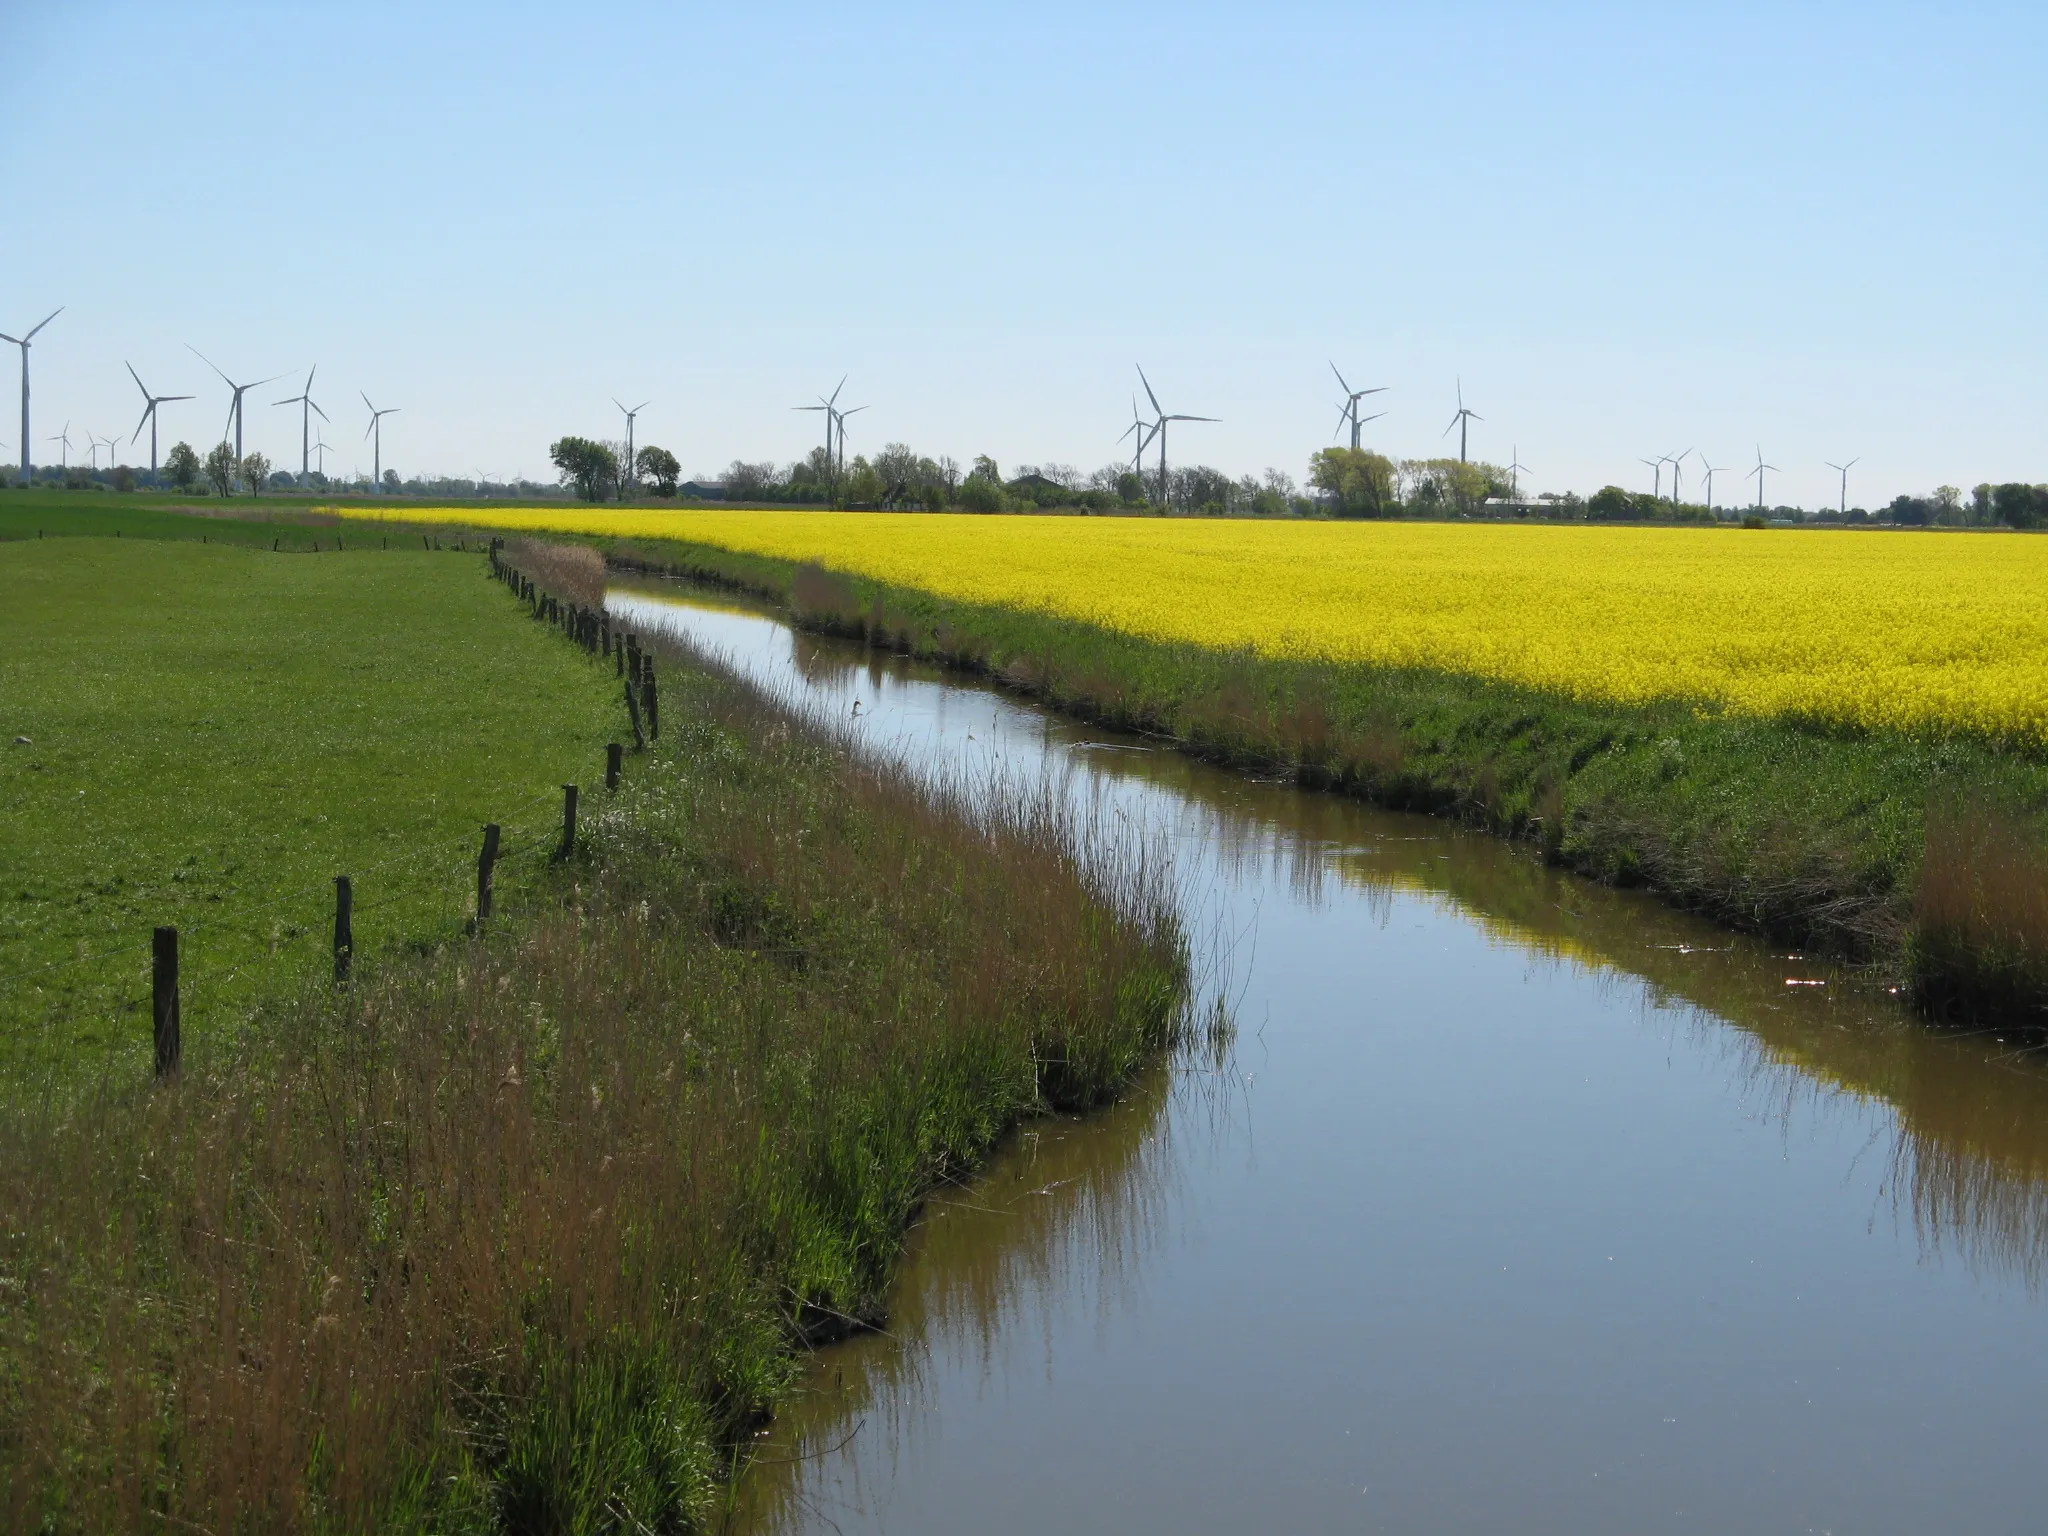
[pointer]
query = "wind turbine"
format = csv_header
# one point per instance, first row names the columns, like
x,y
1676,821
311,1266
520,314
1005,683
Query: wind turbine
x,y
108,443
377,427
628,474
1674,462
1142,430
1761,466
1657,483
1515,468
840,417
320,447
304,401
1348,411
22,342
149,405
827,405
1461,420
234,404
1711,470
1159,430
1845,468
63,437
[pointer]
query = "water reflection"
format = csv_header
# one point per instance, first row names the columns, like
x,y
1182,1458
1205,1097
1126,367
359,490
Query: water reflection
x,y
1528,1205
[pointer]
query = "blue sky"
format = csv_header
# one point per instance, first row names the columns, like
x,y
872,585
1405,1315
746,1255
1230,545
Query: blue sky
x,y
1629,229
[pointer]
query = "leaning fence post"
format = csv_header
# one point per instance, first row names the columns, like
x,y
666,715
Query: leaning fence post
x,y
164,997
613,754
649,699
484,861
568,822
344,929
633,709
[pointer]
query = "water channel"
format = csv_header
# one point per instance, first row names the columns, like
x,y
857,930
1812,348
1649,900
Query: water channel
x,y
1522,1205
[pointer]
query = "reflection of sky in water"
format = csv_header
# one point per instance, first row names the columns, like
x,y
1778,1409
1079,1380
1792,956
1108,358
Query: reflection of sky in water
x,y
1524,1205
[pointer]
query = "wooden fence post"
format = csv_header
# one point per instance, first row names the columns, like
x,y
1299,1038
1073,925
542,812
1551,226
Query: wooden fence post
x,y
633,709
344,926
568,822
650,701
614,754
484,861
164,997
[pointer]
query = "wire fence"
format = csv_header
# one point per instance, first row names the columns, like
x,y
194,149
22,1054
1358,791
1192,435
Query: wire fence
x,y
216,958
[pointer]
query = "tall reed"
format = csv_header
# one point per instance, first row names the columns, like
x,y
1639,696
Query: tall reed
x,y
521,1235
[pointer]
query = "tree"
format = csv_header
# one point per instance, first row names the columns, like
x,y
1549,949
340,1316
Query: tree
x,y
222,468
660,466
590,467
183,467
1358,480
1130,488
255,470
980,492
2020,506
751,482
1610,504
863,486
124,478
391,482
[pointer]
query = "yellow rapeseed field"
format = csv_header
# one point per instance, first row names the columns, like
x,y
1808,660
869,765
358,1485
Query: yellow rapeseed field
x,y
1918,631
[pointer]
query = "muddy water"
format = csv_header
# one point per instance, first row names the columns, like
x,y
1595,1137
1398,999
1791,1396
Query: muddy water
x,y
1523,1205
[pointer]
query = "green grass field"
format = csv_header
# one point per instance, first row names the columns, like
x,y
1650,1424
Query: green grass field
x,y
213,733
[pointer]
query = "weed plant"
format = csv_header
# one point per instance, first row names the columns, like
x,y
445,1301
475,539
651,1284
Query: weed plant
x,y
522,1234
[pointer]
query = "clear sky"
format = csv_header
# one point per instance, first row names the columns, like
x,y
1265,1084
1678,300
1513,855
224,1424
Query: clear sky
x,y
1630,229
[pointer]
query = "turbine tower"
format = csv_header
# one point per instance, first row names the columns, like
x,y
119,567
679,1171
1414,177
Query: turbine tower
x,y
1463,419
1159,430
627,468
108,443
235,402
306,404
1844,469
1515,468
1348,411
320,447
27,470
1761,466
63,437
840,417
376,428
149,407
1657,481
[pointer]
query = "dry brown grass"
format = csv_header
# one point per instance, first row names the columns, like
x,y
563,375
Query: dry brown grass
x,y
572,571
520,1235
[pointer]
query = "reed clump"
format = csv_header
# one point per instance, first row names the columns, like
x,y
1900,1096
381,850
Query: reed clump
x,y
572,571
1980,935
522,1234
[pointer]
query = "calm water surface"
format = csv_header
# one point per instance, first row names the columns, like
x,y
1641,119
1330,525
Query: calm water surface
x,y
1523,1205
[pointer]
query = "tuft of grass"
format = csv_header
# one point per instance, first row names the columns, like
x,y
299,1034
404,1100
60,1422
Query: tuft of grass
x,y
1980,933
521,1234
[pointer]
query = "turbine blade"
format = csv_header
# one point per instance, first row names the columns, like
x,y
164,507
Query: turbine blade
x,y
15,339
135,376
53,314
1156,410
161,399
142,423
1375,416
1340,379
209,363
317,411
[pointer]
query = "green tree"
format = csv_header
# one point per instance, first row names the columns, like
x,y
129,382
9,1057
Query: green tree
x,y
980,493
1610,504
2020,506
222,468
124,478
590,467
183,467
660,466
255,470
1358,480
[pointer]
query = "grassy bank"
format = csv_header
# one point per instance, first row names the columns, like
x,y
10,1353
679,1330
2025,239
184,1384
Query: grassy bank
x,y
519,1231
213,733
1920,855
